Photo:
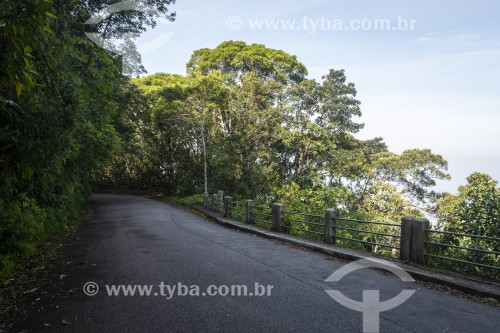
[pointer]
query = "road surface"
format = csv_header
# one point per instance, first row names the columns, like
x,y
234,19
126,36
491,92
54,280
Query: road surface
x,y
137,241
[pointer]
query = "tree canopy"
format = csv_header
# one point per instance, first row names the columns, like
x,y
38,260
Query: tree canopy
x,y
244,118
61,104
234,59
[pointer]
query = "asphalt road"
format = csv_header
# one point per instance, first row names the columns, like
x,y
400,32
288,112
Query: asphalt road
x,y
137,241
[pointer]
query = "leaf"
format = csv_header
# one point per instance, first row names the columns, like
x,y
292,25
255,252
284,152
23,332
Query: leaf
x,y
49,14
48,29
27,63
19,88
65,322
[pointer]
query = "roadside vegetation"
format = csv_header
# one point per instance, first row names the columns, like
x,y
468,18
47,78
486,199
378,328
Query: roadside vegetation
x,y
244,118
61,101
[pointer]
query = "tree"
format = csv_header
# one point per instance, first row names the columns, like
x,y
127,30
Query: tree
x,y
25,27
60,98
474,210
246,119
257,77
336,104
317,140
179,130
208,97
414,173
234,59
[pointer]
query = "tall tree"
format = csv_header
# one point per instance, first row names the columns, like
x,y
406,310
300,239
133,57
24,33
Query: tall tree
x,y
257,77
60,95
237,58
475,209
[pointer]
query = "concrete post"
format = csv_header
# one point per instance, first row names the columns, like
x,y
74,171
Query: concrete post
x,y
413,237
418,241
278,217
249,212
330,224
221,195
205,200
405,240
228,207
215,202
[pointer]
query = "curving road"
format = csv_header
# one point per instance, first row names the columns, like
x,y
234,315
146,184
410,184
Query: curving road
x,y
137,241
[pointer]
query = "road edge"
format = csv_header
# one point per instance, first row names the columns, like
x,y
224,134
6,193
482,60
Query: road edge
x,y
469,285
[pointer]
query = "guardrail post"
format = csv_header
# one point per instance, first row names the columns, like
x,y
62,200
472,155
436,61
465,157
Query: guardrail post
x,y
413,236
215,200
278,217
249,219
228,207
418,241
205,199
330,224
405,240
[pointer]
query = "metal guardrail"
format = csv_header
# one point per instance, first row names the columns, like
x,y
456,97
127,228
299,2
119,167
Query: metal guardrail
x,y
239,210
383,237
466,253
413,240
263,217
219,204
302,224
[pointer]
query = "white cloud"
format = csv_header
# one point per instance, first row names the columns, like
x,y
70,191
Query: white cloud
x,y
446,39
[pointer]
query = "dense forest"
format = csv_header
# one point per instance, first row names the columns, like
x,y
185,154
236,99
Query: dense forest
x,y
61,102
244,118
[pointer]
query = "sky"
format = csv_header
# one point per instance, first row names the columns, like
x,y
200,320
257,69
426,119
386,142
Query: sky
x,y
428,77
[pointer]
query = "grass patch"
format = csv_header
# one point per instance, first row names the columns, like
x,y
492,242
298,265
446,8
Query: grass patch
x,y
191,201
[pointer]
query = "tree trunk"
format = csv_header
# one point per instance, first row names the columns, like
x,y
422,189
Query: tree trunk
x,y
204,154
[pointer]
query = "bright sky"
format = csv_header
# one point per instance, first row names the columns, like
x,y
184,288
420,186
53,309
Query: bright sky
x,y
435,86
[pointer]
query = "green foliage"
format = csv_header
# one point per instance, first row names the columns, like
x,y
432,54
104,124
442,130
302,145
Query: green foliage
x,y
336,104
396,185
61,98
246,119
25,27
385,200
414,170
240,210
190,201
237,58
475,210
313,201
